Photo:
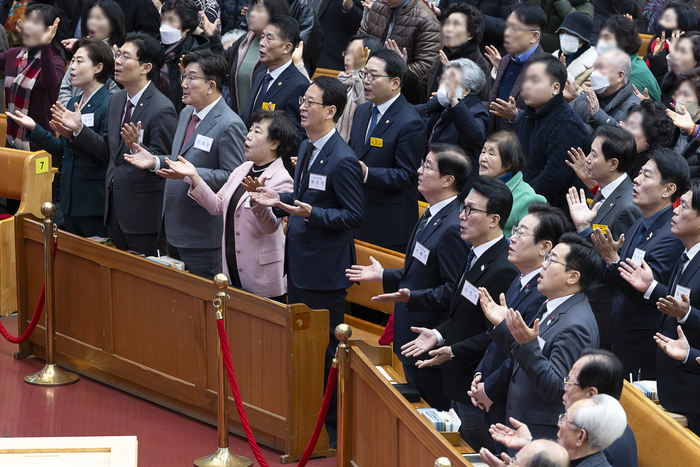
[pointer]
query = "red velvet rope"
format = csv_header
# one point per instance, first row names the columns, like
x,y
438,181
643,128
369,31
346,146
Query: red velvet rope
x,y
330,387
37,314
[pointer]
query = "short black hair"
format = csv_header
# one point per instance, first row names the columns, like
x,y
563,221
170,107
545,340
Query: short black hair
x,y
582,257
213,65
273,7
48,14
554,68
604,371
656,124
544,459
552,222
694,37
531,14
288,28
394,66
452,160
148,50
334,93
510,150
500,198
98,52
625,32
475,20
687,17
618,144
186,10
281,128
673,169
371,42
115,16
695,200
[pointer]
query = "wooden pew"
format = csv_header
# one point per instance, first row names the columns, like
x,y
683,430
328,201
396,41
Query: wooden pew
x,y
150,330
422,206
326,72
24,176
661,441
380,427
362,293
646,38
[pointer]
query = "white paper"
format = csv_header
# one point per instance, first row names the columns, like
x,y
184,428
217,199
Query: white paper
x,y
88,119
141,137
384,373
638,256
681,290
317,182
470,292
203,143
421,253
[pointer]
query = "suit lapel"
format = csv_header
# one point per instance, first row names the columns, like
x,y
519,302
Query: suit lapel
x,y
254,90
611,201
143,103
429,229
278,84
319,165
480,266
115,121
529,287
186,115
359,128
204,126
324,5
385,121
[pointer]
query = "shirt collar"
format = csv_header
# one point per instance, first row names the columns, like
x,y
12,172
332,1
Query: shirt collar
x,y
692,252
278,71
650,221
385,106
524,280
608,189
435,208
318,145
89,97
525,55
135,100
554,303
481,249
205,111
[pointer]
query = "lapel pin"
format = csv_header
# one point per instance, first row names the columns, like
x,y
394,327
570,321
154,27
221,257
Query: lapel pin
x,y
88,105
611,204
140,104
482,267
387,121
550,321
650,235
279,84
321,162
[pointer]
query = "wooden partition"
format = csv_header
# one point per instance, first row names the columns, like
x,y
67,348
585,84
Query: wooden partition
x,y
380,427
646,38
362,293
326,72
150,330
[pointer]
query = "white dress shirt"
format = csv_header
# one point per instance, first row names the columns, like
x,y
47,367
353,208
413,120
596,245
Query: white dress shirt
x,y
437,207
318,145
553,305
608,189
524,280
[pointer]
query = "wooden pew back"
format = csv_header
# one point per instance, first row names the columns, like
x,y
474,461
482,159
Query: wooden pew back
x,y
661,442
646,38
362,293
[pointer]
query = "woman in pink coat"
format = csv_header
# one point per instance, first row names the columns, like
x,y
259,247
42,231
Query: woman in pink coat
x,y
253,242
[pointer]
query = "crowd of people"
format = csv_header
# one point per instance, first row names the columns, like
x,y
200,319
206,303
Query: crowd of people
x,y
559,167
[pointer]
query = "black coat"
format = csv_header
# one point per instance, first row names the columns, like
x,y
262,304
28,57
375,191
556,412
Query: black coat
x,y
139,15
623,451
310,32
231,17
605,8
338,27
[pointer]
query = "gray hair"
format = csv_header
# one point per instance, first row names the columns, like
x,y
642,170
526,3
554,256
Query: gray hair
x,y
603,418
473,77
621,61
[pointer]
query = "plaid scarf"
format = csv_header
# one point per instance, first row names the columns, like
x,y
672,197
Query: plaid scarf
x,y
19,81
170,55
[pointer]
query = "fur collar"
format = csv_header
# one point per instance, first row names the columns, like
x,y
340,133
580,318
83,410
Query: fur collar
x,y
581,64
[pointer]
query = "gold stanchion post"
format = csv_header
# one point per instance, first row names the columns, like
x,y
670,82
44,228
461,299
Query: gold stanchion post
x,y
51,374
223,457
343,332
443,462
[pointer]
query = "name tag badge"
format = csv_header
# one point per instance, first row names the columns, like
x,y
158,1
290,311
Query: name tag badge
x,y
246,204
376,142
268,106
317,182
470,292
88,119
638,256
541,342
681,290
421,253
603,228
203,142
141,137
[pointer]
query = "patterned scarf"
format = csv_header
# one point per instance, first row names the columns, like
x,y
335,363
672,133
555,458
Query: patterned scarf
x,y
19,81
170,53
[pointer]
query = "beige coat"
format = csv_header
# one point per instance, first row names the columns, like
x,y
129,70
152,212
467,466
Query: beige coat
x,y
580,70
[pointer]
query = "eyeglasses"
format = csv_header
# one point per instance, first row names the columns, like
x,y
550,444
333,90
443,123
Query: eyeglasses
x,y
517,232
308,102
370,76
468,211
562,419
119,57
568,382
518,29
188,78
548,261
424,165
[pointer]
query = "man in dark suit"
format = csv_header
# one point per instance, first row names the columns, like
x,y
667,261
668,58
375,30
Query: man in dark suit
x,y
544,354
134,197
210,136
521,40
461,339
282,85
678,389
389,139
423,288
660,183
613,153
339,20
534,236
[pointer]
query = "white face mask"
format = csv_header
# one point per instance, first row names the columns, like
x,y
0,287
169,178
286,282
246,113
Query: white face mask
x,y
569,44
442,95
603,47
169,35
599,82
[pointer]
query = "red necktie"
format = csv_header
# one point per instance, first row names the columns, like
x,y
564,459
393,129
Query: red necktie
x,y
190,129
127,114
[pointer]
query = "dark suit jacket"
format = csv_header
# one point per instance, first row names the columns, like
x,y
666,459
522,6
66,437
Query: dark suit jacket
x,y
635,321
692,364
430,284
595,460
318,250
82,174
391,198
465,330
537,383
338,27
623,451
138,194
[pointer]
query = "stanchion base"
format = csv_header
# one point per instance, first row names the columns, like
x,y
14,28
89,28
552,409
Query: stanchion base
x,y
223,457
51,375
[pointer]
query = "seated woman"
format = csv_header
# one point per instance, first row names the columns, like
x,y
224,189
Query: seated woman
x,y
106,23
82,198
502,157
253,242
576,52
685,117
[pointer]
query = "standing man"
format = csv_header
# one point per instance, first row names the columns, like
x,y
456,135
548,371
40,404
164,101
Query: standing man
x,y
210,136
659,184
613,153
544,353
282,85
389,139
460,341
141,116
422,289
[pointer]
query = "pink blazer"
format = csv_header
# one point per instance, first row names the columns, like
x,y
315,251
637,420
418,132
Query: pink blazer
x,y
259,237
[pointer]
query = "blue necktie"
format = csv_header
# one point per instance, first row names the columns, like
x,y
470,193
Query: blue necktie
x,y
679,271
519,288
263,91
638,238
470,258
372,122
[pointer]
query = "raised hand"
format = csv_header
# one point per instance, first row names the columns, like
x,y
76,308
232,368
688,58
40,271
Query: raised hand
x,y
180,169
593,103
433,8
683,120
493,55
69,43
403,295
293,160
677,349
50,32
639,277
578,163
208,28
443,59
673,41
371,273
488,458
297,55
141,158
22,120
504,109
425,341
71,120
440,356
520,331
581,215
367,4
639,94
391,44
510,438
660,42
266,197
674,307
606,246
131,134
252,184
494,312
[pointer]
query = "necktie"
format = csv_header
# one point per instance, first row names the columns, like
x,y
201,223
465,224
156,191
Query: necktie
x,y
127,114
307,160
262,92
540,313
598,197
423,222
470,258
372,123
519,288
638,238
190,129
679,271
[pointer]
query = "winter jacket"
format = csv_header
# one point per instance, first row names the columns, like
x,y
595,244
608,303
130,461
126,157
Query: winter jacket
x,y
689,148
495,14
580,69
605,8
643,78
231,17
416,29
611,114
556,11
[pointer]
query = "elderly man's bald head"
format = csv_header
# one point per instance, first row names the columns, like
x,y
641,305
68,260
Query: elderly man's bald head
x,y
543,453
